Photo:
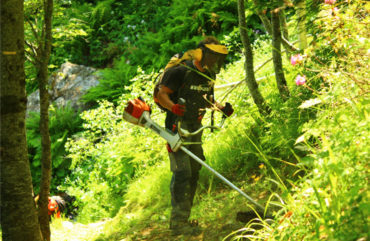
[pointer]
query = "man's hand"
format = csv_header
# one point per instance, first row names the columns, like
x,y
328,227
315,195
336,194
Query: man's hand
x,y
227,109
178,109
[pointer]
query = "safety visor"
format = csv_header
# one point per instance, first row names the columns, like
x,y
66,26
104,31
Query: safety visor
x,y
217,48
216,57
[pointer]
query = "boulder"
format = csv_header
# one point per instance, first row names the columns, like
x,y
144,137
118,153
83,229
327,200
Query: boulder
x,y
67,86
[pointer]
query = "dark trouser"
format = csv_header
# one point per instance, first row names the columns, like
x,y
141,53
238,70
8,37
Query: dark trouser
x,y
185,177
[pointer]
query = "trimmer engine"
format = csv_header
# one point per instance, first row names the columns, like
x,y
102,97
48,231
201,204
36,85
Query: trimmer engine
x,y
138,112
134,111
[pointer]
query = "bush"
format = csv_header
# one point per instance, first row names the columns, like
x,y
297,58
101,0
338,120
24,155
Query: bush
x,y
109,154
63,123
112,83
330,201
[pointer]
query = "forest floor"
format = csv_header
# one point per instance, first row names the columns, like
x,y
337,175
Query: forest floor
x,y
66,230
73,231
218,216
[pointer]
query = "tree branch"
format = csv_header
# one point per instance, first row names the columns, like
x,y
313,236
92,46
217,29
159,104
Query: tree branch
x,y
34,51
30,59
35,34
250,77
267,24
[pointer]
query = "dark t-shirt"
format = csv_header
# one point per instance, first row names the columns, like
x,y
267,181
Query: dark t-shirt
x,y
187,83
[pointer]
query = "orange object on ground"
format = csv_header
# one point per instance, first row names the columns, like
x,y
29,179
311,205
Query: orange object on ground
x,y
53,208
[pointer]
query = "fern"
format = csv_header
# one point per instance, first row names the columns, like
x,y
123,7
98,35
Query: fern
x,y
101,13
63,123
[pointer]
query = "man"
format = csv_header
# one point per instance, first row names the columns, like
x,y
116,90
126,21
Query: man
x,y
194,82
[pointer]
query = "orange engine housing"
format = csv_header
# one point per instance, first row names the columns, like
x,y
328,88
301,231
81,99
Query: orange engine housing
x,y
134,110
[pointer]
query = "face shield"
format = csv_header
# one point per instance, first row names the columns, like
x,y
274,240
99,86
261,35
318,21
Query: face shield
x,y
214,57
214,61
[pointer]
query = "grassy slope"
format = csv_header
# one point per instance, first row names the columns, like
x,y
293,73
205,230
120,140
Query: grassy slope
x,y
146,214
329,202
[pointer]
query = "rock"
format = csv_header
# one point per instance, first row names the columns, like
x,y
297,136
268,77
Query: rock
x,y
68,85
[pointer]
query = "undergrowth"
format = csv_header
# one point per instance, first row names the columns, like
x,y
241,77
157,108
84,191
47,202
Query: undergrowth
x,y
307,161
330,202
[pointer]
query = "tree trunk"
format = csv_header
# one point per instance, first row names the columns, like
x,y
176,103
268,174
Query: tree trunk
x,y
284,28
44,120
301,13
276,55
283,24
266,23
18,211
249,69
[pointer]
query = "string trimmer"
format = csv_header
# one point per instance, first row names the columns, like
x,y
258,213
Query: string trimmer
x,y
138,112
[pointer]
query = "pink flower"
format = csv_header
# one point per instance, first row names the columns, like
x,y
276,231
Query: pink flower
x,y
331,2
296,59
300,80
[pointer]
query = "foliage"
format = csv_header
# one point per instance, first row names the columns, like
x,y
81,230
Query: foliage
x,y
330,202
103,160
109,33
112,83
307,161
64,31
63,123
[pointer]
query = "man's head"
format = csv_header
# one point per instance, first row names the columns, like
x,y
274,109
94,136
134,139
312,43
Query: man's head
x,y
214,54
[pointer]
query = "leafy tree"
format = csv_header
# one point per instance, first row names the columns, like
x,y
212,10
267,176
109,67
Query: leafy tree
x,y
274,29
276,54
67,32
16,187
249,69
301,17
42,75
64,122
41,50
261,7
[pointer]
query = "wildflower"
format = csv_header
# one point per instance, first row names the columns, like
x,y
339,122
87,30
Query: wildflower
x,y
334,11
331,2
296,59
255,177
300,80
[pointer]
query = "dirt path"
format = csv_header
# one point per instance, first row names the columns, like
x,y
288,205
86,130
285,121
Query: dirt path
x,y
63,230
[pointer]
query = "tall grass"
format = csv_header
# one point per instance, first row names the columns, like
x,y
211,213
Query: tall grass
x,y
331,202
307,161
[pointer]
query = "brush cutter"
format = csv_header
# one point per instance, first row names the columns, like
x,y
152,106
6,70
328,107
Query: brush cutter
x,y
138,112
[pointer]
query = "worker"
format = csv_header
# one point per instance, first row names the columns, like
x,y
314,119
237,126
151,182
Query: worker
x,y
192,81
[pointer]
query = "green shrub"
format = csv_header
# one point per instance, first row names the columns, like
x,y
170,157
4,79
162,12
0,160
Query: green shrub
x,y
63,123
112,83
330,202
110,153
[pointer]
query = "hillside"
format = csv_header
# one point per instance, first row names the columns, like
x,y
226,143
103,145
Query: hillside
x,y
305,159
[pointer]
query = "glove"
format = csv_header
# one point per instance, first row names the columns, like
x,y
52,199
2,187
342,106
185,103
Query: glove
x,y
227,109
178,109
